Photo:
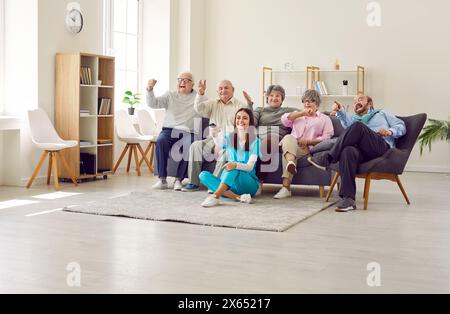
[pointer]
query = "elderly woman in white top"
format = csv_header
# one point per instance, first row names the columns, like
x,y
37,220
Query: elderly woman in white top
x,y
178,126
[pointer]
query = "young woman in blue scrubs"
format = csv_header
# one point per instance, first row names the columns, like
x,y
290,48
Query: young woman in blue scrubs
x,y
238,180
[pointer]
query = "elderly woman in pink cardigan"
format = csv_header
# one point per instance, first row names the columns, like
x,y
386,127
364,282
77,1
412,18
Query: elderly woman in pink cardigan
x,y
309,128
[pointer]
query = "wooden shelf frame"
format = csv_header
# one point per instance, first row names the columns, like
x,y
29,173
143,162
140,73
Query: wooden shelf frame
x,y
71,96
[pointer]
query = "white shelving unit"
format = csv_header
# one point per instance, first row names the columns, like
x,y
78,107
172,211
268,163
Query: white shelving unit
x,y
297,81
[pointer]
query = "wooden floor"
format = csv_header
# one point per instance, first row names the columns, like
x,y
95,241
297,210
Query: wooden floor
x,y
327,253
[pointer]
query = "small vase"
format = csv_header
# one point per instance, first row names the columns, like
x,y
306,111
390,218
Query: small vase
x,y
131,111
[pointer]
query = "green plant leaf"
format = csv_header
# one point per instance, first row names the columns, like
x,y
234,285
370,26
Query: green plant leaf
x,y
436,130
129,93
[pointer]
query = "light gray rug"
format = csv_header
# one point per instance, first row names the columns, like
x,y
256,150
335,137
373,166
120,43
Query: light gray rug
x,y
265,214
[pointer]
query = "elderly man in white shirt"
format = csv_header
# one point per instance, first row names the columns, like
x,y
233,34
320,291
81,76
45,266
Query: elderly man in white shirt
x,y
221,113
179,126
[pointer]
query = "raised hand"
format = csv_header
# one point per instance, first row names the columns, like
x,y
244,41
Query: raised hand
x,y
151,84
230,166
337,106
248,98
202,87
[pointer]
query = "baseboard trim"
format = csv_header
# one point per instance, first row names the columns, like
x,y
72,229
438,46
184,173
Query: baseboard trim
x,y
428,169
38,181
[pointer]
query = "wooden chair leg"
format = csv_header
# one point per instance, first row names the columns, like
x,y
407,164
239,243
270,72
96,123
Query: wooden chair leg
x,y
66,166
152,156
367,191
149,147
50,165
400,185
136,159
36,171
121,158
144,158
321,191
333,184
55,171
130,155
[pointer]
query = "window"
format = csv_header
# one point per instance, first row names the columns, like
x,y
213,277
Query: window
x,y
123,40
2,54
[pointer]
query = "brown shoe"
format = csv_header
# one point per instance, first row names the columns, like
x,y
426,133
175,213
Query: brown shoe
x,y
292,168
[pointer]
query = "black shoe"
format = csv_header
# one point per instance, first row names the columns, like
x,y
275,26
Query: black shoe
x,y
321,162
345,205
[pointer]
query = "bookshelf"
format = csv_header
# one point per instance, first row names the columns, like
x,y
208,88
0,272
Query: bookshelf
x,y
79,98
296,82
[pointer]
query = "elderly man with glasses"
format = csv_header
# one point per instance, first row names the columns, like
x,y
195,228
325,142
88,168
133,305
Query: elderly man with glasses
x,y
178,127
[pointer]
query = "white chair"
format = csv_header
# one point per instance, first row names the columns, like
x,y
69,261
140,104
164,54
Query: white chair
x,y
128,134
158,116
44,135
148,128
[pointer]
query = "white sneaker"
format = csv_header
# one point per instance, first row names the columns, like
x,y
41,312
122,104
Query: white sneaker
x,y
177,186
160,185
211,201
283,193
246,198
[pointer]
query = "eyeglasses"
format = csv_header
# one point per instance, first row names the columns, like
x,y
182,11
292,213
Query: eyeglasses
x,y
309,101
184,80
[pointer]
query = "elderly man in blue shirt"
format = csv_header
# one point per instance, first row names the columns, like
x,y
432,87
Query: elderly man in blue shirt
x,y
369,134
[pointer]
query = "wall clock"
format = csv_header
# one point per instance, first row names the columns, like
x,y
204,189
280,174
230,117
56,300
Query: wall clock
x,y
74,18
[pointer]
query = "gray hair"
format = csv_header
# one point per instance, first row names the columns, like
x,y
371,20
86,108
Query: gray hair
x,y
189,73
276,88
312,95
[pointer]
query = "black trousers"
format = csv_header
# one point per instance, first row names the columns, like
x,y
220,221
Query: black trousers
x,y
357,145
167,139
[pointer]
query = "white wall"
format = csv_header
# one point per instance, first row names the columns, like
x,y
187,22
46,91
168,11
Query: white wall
x,y
2,54
187,38
156,43
407,58
35,32
54,38
21,89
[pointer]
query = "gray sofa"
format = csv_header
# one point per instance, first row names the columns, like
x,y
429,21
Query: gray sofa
x,y
307,174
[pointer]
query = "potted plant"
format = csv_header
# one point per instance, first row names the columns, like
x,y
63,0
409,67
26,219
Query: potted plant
x,y
131,99
436,130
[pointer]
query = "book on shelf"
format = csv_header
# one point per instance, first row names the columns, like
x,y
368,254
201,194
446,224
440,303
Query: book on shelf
x,y
85,112
318,88
86,76
104,106
321,88
324,87
102,141
84,143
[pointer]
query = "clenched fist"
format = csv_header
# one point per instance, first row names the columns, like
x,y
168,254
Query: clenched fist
x,y
151,84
